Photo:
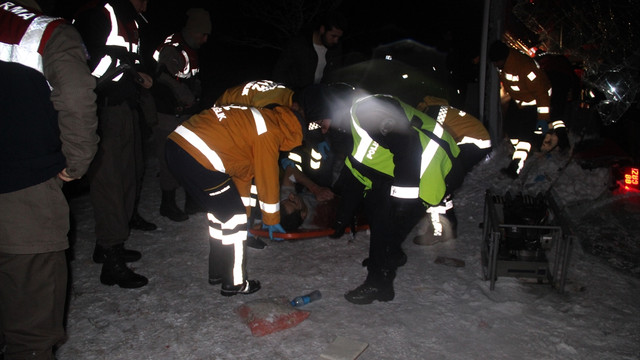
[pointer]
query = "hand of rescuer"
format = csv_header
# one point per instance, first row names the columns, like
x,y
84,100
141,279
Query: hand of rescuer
x,y
64,176
323,149
277,228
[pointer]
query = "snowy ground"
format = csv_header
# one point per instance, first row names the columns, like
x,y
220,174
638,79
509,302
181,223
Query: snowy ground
x,y
440,312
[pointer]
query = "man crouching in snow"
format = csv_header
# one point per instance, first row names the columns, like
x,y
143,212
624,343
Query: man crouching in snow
x,y
402,162
215,155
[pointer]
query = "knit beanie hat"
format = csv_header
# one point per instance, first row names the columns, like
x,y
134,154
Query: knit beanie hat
x,y
198,21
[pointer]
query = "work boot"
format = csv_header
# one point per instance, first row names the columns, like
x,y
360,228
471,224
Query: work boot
x,y
169,208
100,254
249,287
191,206
377,286
139,223
116,272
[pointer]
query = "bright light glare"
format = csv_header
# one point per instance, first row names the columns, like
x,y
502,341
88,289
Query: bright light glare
x,y
405,76
388,57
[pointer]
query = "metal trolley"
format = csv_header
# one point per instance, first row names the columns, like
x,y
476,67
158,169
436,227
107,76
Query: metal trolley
x,y
525,237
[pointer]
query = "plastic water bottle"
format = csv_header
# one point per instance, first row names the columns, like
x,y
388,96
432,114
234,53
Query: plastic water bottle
x,y
305,299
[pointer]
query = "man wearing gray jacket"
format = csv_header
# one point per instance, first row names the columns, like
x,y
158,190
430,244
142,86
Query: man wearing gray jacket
x,y
47,137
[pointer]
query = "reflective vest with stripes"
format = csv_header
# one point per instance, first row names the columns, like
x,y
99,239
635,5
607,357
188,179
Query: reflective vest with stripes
x,y
435,160
120,36
23,38
191,67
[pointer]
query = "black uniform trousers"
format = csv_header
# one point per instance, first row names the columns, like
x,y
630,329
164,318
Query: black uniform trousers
x,y
227,217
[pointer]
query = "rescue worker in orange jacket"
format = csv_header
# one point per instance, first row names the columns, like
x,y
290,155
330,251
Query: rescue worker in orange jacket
x,y
528,116
474,142
215,155
47,137
314,157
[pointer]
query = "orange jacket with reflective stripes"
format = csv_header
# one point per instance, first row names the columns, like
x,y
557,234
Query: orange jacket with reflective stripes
x,y
247,141
258,94
526,82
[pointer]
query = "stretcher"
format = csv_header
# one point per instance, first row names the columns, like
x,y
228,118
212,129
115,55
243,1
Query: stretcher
x,y
303,233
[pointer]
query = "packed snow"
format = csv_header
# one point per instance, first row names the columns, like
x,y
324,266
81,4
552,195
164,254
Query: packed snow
x,y
439,312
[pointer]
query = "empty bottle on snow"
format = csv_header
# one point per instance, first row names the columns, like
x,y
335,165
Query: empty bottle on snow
x,y
305,299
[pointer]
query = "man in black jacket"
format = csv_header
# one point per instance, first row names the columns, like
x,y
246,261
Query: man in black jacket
x,y
309,57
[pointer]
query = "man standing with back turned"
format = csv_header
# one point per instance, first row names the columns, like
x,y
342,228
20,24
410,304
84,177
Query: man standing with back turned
x,y
47,136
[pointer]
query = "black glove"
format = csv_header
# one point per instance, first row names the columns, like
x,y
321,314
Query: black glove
x,y
563,138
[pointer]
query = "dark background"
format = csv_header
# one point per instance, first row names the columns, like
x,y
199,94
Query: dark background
x,y
248,35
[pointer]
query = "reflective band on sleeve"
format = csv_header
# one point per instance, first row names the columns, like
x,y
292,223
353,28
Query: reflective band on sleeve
x,y
528,103
557,124
511,77
315,155
515,88
315,165
248,201
543,110
103,66
199,144
482,144
261,126
531,76
254,189
405,192
269,208
295,157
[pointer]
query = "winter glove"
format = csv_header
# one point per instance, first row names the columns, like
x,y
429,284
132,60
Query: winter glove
x,y
563,138
286,162
323,149
277,228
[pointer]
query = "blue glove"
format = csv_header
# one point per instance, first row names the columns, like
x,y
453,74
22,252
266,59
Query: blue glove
x,y
323,149
277,228
286,162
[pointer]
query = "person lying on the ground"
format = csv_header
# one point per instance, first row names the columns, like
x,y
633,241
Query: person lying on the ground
x,y
306,208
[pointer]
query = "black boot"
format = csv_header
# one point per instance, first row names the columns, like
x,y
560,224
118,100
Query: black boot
x,y
249,287
100,254
377,286
139,223
169,208
116,272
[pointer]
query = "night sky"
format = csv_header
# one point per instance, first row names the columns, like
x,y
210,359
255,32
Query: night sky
x,y
227,60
